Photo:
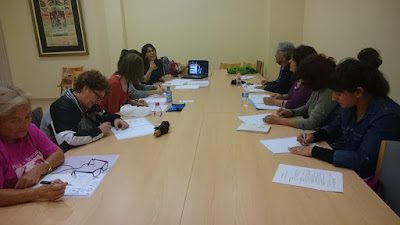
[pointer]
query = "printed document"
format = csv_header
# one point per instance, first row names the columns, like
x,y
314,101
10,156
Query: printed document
x,y
310,178
81,184
137,128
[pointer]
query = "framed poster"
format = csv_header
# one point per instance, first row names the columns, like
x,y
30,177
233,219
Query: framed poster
x,y
59,27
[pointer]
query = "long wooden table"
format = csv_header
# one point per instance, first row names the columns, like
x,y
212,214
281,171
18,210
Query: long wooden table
x,y
205,172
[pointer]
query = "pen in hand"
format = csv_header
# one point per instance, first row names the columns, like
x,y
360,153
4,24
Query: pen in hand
x,y
49,182
304,132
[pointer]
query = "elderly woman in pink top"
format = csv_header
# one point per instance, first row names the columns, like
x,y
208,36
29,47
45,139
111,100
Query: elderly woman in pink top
x,y
26,154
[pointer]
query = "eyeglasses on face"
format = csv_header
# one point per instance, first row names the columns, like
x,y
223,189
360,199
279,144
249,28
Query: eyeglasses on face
x,y
98,95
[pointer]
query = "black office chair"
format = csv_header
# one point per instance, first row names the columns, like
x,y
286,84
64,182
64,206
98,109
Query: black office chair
x,y
37,115
388,173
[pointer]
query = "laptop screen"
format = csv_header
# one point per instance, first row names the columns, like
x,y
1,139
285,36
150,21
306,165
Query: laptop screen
x,y
198,67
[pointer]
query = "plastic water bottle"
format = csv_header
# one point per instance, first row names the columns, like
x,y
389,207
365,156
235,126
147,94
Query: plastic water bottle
x,y
238,78
172,67
245,96
157,113
169,95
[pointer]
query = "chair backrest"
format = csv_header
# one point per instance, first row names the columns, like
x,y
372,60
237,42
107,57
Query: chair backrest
x,y
228,65
68,77
254,65
260,67
388,172
37,115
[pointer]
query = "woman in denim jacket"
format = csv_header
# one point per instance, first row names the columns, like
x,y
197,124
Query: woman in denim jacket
x,y
367,116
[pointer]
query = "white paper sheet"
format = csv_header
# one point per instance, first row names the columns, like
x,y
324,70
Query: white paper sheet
x,y
310,178
181,87
254,119
253,89
163,107
257,99
176,82
281,145
82,184
246,77
186,101
201,83
137,128
156,98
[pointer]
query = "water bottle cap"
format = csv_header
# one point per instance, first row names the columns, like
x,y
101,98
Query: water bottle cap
x,y
157,104
238,72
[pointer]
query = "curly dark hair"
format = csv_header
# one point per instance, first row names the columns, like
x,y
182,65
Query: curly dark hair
x,y
299,54
352,73
94,80
314,70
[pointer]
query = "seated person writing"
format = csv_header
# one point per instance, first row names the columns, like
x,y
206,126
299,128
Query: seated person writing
x,y
140,90
283,83
26,154
130,69
314,72
367,116
76,118
299,93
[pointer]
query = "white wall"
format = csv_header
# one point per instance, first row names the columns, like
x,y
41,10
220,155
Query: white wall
x,y
216,30
341,28
39,76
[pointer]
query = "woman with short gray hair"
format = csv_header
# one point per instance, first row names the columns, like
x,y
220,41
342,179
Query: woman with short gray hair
x,y
283,83
26,154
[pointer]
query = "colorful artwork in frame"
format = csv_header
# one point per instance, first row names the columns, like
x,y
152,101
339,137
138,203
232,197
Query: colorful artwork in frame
x,y
59,27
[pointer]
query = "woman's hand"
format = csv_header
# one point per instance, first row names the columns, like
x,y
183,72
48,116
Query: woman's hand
x,y
271,119
276,96
53,191
301,150
160,90
105,128
118,123
264,82
307,141
269,101
142,102
153,66
285,113
29,179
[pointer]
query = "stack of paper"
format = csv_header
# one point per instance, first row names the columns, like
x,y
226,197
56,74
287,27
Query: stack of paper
x,y
137,128
201,83
81,184
281,145
252,88
258,102
176,82
257,128
181,87
310,178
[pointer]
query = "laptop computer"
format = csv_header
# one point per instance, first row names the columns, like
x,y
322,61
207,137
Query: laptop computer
x,y
198,69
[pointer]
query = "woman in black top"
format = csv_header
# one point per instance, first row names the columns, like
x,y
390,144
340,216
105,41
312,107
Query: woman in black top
x,y
153,67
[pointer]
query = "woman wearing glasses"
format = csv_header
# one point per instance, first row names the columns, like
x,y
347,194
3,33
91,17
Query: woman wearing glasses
x,y
76,118
26,154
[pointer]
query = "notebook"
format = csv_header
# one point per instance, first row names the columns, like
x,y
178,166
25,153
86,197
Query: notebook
x,y
258,128
198,69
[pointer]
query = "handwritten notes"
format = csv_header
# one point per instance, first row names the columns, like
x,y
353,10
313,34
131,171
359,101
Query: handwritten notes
x,y
137,128
281,145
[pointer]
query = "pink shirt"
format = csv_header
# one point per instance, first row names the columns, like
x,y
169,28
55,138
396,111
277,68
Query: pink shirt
x,y
19,158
